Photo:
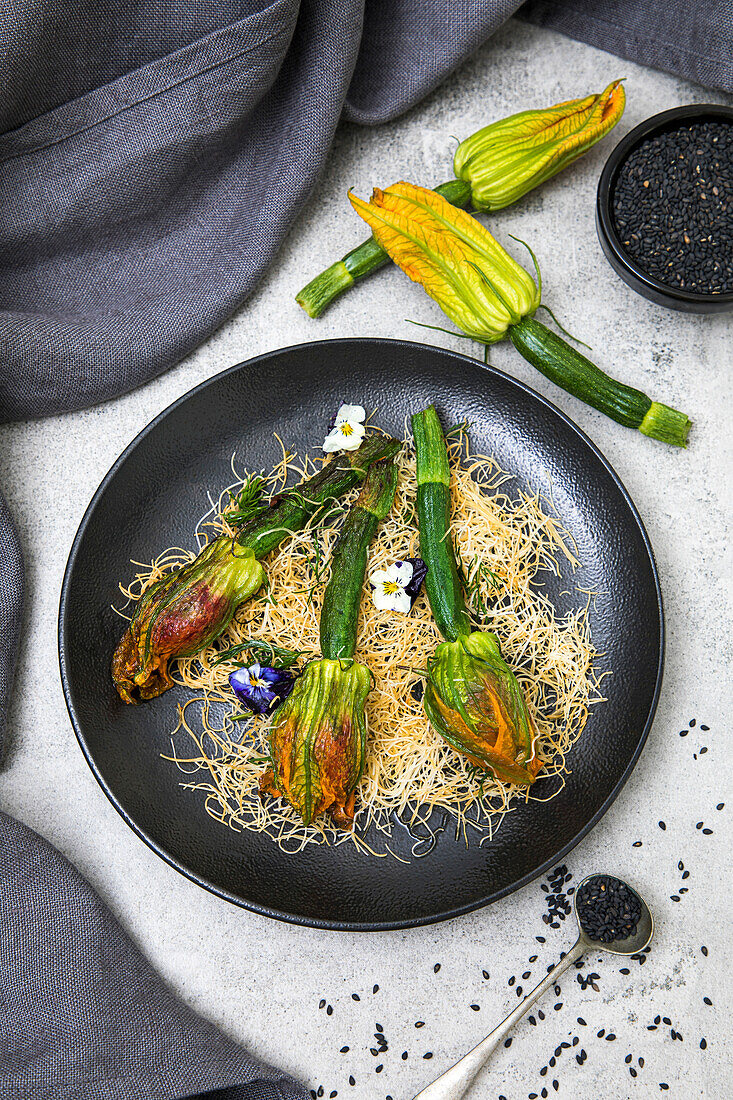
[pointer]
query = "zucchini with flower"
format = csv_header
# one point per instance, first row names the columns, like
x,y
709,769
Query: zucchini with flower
x,y
472,698
188,609
491,297
494,167
318,735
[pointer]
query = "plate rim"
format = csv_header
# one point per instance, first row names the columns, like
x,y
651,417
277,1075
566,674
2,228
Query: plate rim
x,y
316,922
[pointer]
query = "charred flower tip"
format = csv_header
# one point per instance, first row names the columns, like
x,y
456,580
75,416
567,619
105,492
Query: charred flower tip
x,y
318,740
181,614
508,158
473,701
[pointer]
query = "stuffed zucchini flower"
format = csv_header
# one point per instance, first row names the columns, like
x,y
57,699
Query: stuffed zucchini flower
x,y
472,698
186,610
318,735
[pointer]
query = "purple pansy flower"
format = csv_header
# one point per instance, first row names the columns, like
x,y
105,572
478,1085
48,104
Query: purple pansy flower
x,y
260,688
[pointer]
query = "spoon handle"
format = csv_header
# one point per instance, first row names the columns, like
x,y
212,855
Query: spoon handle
x,y
453,1084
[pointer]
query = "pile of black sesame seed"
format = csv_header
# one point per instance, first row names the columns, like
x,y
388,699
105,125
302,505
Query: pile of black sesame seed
x,y
607,909
673,207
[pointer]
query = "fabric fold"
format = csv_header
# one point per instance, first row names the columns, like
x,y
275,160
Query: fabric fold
x,y
83,1014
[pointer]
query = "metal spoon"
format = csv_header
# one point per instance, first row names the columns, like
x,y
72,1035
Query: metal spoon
x,y
452,1085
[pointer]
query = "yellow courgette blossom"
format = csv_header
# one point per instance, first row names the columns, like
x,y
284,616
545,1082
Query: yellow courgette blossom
x,y
504,160
459,264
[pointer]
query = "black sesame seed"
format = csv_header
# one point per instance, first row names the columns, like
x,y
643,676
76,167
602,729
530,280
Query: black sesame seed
x,y
707,1000
375,989
352,1080
419,1023
508,1042
476,1008
404,1055
662,826
436,968
582,1022
704,950
428,1054
329,1010
608,909
321,1004
355,997
703,1044
632,1071
344,1050
379,1068
485,974
672,211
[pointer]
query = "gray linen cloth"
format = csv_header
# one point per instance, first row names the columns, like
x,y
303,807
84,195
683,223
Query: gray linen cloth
x,y
152,158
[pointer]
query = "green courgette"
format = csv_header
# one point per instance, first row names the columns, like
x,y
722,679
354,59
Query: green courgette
x,y
569,369
442,582
340,612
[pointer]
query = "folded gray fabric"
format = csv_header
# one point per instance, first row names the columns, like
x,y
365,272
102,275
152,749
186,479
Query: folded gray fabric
x,y
152,158
83,1014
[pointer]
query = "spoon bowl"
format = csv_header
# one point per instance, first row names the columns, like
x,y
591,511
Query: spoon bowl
x,y
632,945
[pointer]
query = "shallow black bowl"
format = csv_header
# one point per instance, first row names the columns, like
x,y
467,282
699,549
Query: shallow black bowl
x,y
623,264
152,498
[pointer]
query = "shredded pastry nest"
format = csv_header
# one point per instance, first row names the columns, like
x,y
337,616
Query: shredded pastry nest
x,y
506,540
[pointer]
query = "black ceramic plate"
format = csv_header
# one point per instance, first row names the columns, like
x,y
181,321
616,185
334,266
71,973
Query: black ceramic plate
x,y
152,498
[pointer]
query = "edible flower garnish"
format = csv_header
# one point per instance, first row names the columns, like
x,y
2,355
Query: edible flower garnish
x,y
348,429
506,159
397,587
261,688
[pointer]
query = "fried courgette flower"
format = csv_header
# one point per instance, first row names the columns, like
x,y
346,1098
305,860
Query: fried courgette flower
x,y
318,735
472,697
186,610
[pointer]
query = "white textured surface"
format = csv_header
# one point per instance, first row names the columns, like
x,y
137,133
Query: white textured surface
x,y
262,981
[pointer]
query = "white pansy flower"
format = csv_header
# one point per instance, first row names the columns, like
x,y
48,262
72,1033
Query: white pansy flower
x,y
348,430
390,586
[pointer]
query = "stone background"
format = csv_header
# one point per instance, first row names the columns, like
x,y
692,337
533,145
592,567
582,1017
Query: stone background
x,y
263,981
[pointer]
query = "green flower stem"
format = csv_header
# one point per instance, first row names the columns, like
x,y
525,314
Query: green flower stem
x,y
367,258
442,583
339,615
295,507
569,369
